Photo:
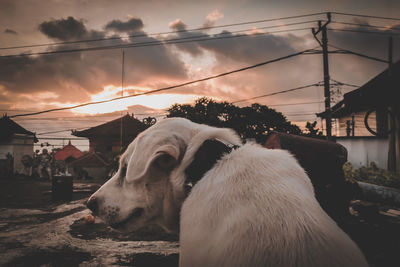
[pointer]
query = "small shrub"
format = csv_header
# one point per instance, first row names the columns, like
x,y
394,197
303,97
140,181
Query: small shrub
x,y
372,174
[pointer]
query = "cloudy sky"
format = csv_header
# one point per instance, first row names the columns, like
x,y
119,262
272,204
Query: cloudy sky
x,y
38,82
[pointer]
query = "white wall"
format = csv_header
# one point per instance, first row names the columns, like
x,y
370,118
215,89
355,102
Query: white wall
x,y
18,146
5,148
364,150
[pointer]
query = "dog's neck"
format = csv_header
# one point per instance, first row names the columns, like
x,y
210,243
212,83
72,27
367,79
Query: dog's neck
x,y
205,158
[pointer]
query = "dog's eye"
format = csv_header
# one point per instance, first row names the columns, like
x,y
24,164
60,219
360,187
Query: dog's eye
x,y
123,171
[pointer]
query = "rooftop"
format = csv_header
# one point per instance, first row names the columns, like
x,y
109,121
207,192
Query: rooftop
x,y
130,125
68,151
9,128
380,91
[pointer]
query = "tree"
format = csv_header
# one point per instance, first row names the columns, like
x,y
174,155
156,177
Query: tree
x,y
255,121
311,131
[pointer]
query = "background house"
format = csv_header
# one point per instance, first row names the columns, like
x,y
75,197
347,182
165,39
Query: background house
x,y
68,153
112,136
15,142
368,139
91,165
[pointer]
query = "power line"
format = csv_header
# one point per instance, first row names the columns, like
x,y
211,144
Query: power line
x,y
155,43
62,138
300,114
294,104
162,33
60,131
279,92
346,84
99,116
346,51
364,16
369,32
89,117
171,87
364,25
60,119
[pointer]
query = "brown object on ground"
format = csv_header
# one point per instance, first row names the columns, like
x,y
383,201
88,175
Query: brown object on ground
x,y
89,219
323,161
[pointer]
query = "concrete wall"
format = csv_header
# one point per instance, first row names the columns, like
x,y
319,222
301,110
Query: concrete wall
x,y
20,145
364,150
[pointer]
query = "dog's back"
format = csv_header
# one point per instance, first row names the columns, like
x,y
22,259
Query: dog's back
x,y
256,207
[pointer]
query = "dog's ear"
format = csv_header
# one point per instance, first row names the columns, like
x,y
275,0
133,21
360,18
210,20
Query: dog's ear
x,y
166,158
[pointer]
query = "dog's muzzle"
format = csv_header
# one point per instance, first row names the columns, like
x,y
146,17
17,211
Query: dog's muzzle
x,y
93,205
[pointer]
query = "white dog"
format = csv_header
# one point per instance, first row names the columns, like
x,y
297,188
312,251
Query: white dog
x,y
250,206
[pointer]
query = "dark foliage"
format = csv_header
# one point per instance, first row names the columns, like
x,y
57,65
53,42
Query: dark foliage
x,y
312,131
254,122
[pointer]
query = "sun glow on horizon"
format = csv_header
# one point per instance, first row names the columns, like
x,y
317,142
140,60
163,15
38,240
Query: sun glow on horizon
x,y
154,101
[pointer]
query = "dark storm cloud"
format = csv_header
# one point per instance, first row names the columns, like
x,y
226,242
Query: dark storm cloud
x,y
355,68
9,31
237,47
72,77
249,48
236,50
231,53
191,48
131,25
368,40
64,29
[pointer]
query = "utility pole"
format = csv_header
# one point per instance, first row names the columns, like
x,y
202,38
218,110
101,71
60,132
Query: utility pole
x,y
393,117
327,91
122,94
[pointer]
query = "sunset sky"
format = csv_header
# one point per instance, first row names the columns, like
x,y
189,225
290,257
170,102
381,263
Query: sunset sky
x,y
33,83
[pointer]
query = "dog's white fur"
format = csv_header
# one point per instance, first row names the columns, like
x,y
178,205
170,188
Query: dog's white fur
x,y
255,207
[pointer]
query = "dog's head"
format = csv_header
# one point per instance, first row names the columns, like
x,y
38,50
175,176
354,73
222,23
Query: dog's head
x,y
149,185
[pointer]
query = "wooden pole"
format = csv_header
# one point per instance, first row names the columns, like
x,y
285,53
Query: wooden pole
x,y
391,117
327,91
122,94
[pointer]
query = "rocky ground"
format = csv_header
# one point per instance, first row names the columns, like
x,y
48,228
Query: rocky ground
x,y
35,231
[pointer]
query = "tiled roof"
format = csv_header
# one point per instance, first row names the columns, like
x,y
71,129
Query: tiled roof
x,y
91,159
68,151
130,126
9,128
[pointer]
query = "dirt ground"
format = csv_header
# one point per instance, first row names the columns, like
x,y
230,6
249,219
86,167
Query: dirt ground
x,y
36,231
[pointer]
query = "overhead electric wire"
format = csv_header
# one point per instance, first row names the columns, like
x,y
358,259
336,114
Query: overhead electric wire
x,y
300,114
342,83
279,92
364,25
163,33
173,86
368,32
60,131
295,104
346,51
63,138
181,40
60,119
83,118
364,16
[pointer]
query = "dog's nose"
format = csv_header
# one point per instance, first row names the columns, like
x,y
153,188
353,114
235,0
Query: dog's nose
x,y
93,205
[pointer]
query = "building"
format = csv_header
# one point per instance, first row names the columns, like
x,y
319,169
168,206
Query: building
x,y
15,142
68,153
364,117
112,136
92,165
